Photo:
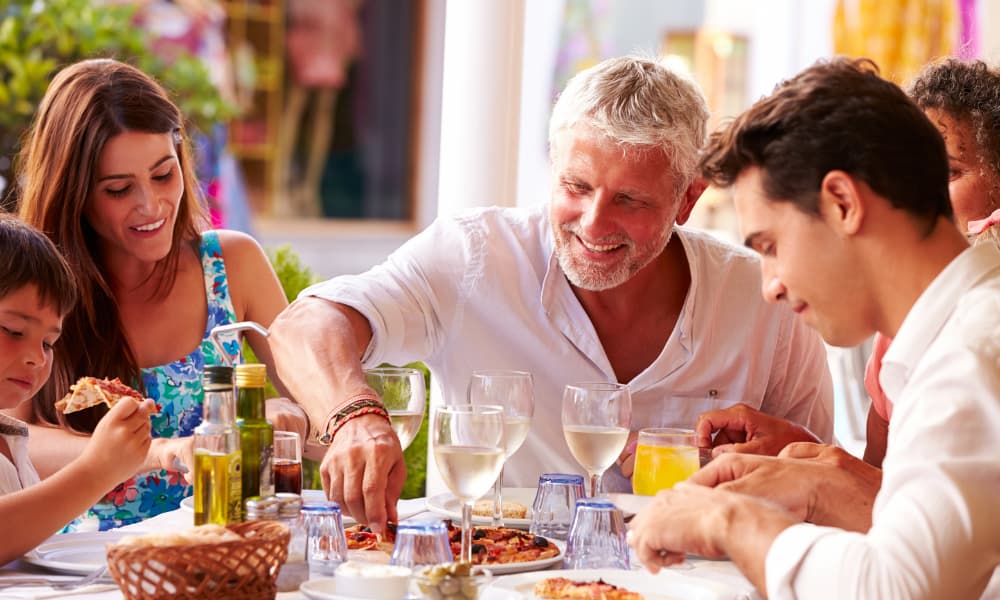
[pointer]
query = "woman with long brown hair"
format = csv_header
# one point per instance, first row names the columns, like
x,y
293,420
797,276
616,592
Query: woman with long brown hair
x,y
106,172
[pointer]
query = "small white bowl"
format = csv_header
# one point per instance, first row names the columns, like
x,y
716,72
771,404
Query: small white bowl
x,y
372,581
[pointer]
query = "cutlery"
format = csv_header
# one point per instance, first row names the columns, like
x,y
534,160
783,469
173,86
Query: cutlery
x,y
58,584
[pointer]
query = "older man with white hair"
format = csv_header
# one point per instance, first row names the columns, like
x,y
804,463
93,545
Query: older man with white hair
x,y
597,285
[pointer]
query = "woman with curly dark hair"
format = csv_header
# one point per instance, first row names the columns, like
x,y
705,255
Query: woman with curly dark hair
x,y
963,99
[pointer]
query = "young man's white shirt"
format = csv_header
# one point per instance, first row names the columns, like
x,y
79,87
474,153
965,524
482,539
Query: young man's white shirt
x,y
935,525
484,290
19,474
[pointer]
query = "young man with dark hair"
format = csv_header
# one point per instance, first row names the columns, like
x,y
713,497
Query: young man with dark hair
x,y
841,184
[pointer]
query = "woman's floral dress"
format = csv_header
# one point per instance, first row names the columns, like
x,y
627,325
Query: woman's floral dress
x,y
176,388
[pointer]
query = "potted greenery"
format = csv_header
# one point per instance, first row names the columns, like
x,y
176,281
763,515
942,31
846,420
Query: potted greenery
x,y
37,37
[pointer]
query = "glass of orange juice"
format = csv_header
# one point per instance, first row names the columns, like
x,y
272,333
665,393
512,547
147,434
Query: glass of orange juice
x,y
663,457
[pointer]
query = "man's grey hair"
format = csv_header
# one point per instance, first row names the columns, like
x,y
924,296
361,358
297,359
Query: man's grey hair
x,y
637,101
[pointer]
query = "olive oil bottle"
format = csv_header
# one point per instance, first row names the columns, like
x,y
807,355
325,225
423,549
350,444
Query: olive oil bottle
x,y
218,477
256,433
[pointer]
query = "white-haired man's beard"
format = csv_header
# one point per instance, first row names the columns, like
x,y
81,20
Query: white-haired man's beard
x,y
597,277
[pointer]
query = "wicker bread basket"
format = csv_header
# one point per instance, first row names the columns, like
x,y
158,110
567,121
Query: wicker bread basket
x,y
245,568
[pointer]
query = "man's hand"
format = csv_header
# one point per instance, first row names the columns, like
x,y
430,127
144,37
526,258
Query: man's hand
x,y
364,472
829,488
749,431
285,415
707,522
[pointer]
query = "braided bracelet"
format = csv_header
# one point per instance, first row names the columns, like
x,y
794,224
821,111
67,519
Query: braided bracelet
x,y
327,438
339,415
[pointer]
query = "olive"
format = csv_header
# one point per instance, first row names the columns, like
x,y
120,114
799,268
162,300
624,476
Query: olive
x,y
479,534
477,548
449,586
358,537
541,542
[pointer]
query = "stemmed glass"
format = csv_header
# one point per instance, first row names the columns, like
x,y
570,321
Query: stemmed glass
x,y
467,441
596,419
403,394
513,391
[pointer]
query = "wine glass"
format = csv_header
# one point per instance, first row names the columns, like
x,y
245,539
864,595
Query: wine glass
x,y
403,394
467,441
596,419
513,391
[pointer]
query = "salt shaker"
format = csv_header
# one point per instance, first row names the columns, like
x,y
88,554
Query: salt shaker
x,y
295,570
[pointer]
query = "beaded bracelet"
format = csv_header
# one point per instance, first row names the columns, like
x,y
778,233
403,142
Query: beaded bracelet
x,y
347,411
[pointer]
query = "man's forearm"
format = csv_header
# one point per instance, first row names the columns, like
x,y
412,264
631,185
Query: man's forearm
x,y
752,528
317,347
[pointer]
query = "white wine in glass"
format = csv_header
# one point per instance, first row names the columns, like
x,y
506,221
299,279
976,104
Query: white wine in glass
x,y
596,419
467,441
403,394
513,390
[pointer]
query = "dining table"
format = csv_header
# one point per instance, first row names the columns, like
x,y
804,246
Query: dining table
x,y
697,572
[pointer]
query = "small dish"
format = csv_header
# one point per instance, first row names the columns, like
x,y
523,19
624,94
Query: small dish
x,y
372,581
453,580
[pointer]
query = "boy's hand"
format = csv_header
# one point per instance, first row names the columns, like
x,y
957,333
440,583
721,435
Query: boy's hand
x,y
121,440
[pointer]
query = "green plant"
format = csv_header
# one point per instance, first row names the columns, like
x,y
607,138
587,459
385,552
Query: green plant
x,y
37,37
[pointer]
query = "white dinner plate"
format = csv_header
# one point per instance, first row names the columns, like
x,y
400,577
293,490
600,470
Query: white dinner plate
x,y
75,553
630,503
448,505
667,585
324,588
534,565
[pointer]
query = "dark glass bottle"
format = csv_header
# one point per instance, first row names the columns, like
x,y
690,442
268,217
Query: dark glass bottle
x,y
256,433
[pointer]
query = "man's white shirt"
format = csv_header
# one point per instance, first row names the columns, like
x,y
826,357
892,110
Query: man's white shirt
x,y
484,290
935,528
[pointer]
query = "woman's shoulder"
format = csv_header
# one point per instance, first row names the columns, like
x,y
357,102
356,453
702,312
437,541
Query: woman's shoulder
x,y
236,248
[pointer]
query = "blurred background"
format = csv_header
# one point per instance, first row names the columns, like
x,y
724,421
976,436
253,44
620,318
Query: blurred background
x,y
333,130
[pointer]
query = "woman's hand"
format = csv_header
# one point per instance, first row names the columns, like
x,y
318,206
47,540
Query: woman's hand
x,y
174,454
285,415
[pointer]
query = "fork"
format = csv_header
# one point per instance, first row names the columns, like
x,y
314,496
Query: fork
x,y
56,585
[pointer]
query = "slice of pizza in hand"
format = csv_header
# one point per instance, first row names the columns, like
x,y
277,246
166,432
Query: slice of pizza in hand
x,y
91,391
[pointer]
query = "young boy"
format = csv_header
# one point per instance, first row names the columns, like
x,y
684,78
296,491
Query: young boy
x,y
841,184
36,290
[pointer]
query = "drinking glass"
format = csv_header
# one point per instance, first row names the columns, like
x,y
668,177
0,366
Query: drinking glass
x,y
287,462
597,537
326,544
513,391
555,501
596,419
467,441
421,543
663,457
403,394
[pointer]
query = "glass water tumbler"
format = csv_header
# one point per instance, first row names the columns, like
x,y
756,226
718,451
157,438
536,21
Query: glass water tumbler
x,y
597,537
555,501
421,543
326,546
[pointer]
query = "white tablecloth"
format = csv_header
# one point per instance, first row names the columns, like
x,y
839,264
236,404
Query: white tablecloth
x,y
721,571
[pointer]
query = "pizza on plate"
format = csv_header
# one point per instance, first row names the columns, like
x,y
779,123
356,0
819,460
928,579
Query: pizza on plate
x,y
490,545
560,587
91,391
361,537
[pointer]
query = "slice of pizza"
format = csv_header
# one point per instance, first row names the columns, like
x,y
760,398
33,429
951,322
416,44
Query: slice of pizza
x,y
361,537
567,589
91,391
